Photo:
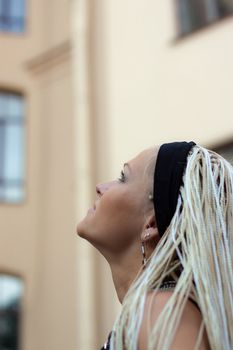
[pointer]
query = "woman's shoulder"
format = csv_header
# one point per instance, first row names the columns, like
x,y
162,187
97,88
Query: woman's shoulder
x,y
188,328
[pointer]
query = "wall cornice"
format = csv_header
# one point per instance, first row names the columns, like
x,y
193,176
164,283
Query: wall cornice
x,y
50,58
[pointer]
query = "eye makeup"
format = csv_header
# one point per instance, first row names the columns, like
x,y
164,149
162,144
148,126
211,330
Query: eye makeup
x,y
122,176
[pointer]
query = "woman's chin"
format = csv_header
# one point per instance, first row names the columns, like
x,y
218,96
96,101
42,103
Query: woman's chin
x,y
83,230
80,230
82,226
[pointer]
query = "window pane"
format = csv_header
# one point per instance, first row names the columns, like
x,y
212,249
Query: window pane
x,y
15,106
194,14
1,7
12,150
3,105
12,16
11,290
14,194
14,162
17,8
2,193
212,11
17,25
225,7
2,149
11,105
184,17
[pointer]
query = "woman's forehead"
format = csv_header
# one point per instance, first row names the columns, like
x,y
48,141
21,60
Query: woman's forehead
x,y
140,162
144,156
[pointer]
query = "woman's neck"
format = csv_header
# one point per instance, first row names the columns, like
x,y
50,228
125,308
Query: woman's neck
x,y
124,272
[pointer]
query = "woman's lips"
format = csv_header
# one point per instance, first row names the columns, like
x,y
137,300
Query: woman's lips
x,y
92,209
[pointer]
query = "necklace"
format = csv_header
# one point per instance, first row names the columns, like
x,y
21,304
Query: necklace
x,y
167,285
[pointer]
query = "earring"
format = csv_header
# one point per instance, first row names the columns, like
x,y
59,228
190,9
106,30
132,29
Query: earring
x,y
144,261
147,235
150,197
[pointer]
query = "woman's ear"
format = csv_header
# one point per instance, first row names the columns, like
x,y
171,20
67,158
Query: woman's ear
x,y
150,231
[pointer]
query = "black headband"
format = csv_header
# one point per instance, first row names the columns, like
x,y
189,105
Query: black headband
x,y
169,170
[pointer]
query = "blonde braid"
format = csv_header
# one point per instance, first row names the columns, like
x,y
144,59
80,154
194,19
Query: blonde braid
x,y
197,251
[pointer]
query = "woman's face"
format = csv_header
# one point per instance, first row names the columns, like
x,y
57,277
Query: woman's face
x,y
117,218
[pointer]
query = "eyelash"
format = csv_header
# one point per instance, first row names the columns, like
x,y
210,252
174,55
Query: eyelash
x,y
122,177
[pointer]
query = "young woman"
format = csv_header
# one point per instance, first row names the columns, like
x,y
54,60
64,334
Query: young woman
x,y
166,229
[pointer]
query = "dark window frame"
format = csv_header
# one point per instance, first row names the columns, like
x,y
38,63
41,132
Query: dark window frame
x,y
181,33
11,316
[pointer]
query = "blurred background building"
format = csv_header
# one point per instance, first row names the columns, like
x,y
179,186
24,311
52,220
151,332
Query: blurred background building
x,y
85,86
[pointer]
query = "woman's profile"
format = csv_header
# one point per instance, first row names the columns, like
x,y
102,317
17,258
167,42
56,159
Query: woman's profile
x,y
166,229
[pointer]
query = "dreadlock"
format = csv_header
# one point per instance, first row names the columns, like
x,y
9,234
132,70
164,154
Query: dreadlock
x,y
196,251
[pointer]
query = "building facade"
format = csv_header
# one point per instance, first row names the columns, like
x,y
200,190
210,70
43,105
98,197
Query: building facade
x,y
37,227
85,86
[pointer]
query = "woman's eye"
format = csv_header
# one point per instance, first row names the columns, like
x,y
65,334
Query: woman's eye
x,y
122,177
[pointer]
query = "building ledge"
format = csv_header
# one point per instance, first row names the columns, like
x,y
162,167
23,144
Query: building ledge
x,y
49,58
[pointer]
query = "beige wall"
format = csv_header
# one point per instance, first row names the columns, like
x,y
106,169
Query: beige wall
x,y
160,88
102,81
150,87
38,236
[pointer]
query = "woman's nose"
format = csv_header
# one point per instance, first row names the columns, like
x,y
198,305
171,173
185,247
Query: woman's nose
x,y
101,188
98,191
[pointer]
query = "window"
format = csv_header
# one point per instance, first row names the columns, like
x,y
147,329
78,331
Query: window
x,y
11,289
12,15
11,147
195,14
